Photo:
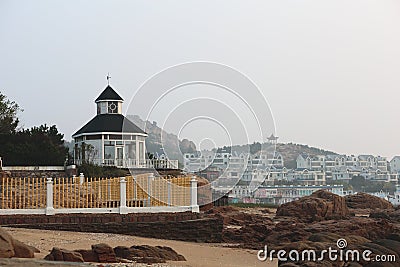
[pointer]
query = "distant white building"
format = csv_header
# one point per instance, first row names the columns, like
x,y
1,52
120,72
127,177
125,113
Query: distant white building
x,y
307,177
278,173
395,164
244,167
344,167
286,193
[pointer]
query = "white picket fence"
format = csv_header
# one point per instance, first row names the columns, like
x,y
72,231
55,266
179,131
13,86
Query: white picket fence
x,y
132,194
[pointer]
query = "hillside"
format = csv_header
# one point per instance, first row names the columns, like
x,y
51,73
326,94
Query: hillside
x,y
171,143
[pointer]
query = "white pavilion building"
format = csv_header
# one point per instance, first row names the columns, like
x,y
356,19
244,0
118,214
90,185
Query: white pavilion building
x,y
110,139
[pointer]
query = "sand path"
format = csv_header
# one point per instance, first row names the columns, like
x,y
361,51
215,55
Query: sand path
x,y
196,254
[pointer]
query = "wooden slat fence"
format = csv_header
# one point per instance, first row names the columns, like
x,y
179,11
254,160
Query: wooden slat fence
x,y
23,193
142,190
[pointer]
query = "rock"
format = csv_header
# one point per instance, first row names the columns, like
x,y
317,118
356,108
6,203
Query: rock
x,y
58,254
148,254
150,260
72,256
22,251
394,236
104,252
18,262
288,264
321,205
169,254
378,249
392,215
390,244
123,252
367,201
10,247
99,253
35,250
6,245
353,264
88,255
323,237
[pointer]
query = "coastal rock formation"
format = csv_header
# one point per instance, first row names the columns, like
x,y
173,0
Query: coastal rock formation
x,y
6,245
10,247
367,201
59,254
289,231
321,205
103,253
314,221
98,253
377,247
148,254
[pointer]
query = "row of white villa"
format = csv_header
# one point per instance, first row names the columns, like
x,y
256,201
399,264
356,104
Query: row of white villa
x,y
265,168
280,194
223,158
276,194
344,167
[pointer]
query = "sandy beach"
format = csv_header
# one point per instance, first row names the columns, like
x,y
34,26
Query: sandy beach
x,y
196,254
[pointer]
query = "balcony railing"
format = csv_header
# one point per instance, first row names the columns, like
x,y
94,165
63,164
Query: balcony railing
x,y
132,163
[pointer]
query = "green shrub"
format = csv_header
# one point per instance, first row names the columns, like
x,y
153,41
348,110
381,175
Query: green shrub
x,y
92,170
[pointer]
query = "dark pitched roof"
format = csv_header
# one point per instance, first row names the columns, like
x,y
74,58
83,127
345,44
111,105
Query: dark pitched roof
x,y
109,94
272,137
115,123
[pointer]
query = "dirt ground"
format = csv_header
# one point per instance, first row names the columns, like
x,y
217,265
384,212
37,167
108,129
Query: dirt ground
x,y
196,254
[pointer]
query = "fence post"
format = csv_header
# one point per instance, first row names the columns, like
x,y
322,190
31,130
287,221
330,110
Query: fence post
x,y
49,197
122,206
81,178
193,195
169,193
149,180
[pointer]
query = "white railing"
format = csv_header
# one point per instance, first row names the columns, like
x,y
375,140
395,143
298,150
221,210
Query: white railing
x,y
132,163
132,194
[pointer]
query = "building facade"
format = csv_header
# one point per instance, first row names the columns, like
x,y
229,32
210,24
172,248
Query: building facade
x,y
395,164
344,167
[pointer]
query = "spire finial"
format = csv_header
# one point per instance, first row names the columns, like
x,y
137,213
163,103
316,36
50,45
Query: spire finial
x,y
108,78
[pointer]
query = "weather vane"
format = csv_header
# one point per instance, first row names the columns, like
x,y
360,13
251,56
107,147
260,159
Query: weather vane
x,y
108,78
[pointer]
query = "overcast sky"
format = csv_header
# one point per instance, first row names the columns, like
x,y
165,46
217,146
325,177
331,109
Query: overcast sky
x,y
330,70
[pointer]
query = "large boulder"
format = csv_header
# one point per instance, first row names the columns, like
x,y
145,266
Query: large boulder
x,y
6,245
88,255
23,251
10,247
104,252
59,254
148,254
321,205
367,201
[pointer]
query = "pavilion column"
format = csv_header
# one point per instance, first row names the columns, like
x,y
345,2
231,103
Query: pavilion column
x,y
102,150
137,152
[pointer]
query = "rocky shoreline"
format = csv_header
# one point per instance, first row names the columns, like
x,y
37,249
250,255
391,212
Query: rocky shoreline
x,y
318,222
314,222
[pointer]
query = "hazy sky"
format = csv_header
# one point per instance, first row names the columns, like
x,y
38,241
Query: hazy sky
x,y
330,70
